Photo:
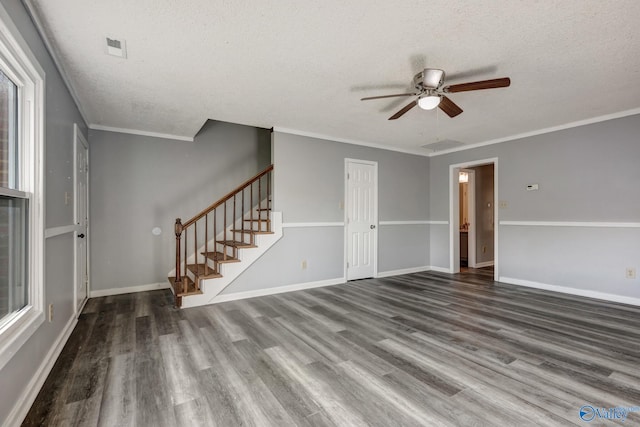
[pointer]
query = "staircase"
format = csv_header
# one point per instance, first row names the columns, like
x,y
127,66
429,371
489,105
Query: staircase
x,y
219,243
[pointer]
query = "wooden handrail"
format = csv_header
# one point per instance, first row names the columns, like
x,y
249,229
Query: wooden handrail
x,y
227,197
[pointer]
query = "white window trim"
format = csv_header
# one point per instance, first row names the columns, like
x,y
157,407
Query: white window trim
x,y
22,67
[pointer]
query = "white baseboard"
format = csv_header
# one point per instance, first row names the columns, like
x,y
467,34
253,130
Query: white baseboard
x,y
440,269
572,291
129,290
277,290
21,409
404,271
484,264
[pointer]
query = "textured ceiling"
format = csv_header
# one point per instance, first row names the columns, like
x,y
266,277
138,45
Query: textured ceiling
x,y
304,65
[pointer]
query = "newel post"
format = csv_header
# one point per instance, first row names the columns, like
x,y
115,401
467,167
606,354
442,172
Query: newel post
x,y
178,231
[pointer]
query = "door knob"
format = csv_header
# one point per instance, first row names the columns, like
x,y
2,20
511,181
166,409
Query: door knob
x,y
372,226
81,236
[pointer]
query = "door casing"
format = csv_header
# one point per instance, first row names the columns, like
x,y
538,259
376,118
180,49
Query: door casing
x,y
454,213
347,162
81,224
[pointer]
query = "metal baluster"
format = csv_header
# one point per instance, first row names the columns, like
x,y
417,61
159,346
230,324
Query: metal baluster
x,y
224,246
242,213
215,237
269,201
186,276
178,233
195,253
206,244
260,204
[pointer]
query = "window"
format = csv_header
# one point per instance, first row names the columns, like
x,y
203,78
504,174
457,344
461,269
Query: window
x,y
13,207
21,191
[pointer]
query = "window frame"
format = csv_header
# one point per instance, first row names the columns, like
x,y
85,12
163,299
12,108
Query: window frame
x,y
20,65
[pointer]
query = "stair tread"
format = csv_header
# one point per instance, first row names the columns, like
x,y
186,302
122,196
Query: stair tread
x,y
236,244
252,231
179,291
219,257
199,270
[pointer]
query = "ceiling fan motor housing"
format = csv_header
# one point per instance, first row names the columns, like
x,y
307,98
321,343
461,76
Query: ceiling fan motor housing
x,y
429,78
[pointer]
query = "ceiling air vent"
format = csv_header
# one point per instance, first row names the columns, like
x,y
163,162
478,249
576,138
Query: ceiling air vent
x,y
117,48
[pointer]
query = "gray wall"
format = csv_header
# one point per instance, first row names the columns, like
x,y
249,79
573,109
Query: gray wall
x,y
309,188
61,113
139,182
585,174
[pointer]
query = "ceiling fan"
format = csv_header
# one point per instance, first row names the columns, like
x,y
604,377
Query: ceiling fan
x,y
431,93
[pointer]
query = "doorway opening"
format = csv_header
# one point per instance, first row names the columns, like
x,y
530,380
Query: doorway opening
x,y
473,216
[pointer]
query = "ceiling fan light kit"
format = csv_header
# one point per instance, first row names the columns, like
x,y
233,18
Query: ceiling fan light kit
x,y
429,84
429,101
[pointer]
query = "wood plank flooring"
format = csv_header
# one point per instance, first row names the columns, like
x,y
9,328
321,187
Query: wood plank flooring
x,y
424,349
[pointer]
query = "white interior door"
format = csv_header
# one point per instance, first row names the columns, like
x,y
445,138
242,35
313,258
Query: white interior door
x,y
361,219
81,180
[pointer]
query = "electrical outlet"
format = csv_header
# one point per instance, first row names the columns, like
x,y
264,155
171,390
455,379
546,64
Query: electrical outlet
x,y
67,198
630,273
503,204
50,313
304,264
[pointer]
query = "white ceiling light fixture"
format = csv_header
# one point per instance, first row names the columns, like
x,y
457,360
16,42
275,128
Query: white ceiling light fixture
x,y
429,101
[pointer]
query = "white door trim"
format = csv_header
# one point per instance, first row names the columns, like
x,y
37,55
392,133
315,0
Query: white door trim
x,y
471,208
454,213
345,205
78,138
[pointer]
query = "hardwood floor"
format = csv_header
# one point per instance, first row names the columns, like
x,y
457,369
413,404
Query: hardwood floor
x,y
420,349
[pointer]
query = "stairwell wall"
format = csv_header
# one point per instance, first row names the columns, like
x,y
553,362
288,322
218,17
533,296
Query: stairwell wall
x,y
139,183
309,191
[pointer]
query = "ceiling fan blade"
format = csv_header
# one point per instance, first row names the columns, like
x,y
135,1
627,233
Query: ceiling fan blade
x,y
449,107
483,84
387,96
406,108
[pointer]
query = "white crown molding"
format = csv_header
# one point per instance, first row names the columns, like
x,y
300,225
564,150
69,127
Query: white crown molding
x,y
569,125
571,291
141,132
415,152
37,21
571,224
